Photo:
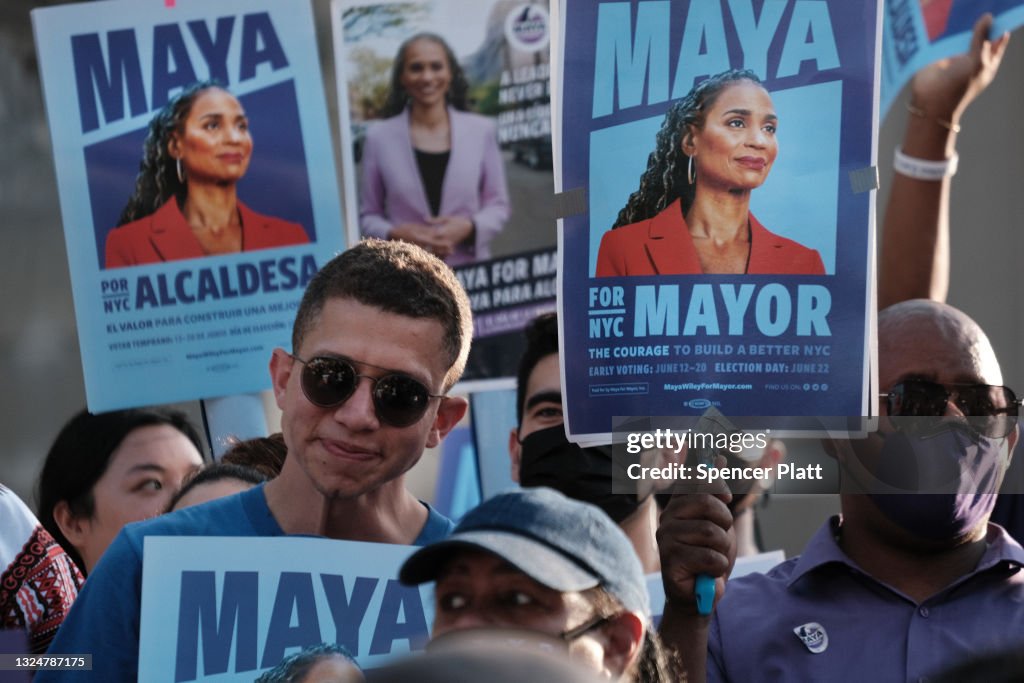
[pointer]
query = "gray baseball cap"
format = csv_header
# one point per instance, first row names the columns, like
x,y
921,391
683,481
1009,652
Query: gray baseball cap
x,y
561,543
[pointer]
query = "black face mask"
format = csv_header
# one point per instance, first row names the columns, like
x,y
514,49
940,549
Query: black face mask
x,y
584,474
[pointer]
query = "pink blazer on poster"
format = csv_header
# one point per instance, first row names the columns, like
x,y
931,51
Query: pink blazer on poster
x,y
662,246
164,235
474,186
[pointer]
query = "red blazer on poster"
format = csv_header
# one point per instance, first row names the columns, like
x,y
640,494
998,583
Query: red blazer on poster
x,y
936,16
662,246
164,235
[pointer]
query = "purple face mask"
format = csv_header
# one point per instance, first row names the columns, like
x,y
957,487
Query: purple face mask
x,y
950,476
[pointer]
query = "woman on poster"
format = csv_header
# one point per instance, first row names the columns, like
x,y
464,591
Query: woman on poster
x,y
432,172
185,203
691,213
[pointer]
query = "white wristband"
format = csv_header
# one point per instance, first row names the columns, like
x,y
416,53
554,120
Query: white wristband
x,y
925,169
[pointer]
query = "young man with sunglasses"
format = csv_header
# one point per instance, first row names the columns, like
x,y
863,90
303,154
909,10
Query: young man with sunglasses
x,y
911,578
381,335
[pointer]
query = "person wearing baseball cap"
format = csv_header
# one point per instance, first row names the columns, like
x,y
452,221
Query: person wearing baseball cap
x,y
535,560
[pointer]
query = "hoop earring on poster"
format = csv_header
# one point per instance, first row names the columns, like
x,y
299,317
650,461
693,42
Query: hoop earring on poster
x,y
690,174
181,173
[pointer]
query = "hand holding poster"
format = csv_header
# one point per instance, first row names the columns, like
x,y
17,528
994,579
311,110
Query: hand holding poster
x,y
919,32
726,155
222,609
196,184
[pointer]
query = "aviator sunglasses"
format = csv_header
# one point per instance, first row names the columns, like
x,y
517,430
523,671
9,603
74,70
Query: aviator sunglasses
x,y
398,399
988,409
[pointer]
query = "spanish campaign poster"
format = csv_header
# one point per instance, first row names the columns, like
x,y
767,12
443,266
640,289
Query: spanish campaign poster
x,y
446,142
721,156
196,183
919,32
224,609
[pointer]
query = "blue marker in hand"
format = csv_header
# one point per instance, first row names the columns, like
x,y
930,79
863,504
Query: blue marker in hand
x,y
712,421
704,589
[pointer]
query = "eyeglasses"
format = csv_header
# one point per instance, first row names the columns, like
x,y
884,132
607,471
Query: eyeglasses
x,y
398,399
595,622
990,410
516,637
519,638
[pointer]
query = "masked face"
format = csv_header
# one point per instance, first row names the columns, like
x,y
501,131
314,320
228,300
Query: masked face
x,y
585,474
933,469
950,476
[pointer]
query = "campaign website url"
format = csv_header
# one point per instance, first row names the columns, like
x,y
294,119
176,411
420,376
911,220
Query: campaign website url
x,y
223,352
702,386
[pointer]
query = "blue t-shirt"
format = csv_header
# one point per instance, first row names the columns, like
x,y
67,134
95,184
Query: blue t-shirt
x,y
104,620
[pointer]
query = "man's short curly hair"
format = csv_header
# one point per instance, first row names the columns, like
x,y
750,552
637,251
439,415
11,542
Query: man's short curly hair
x,y
396,277
541,341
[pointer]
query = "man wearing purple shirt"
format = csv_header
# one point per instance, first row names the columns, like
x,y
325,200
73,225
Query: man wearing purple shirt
x,y
900,586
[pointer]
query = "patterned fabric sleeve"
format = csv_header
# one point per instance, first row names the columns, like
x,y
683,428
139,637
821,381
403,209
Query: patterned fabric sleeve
x,y
39,581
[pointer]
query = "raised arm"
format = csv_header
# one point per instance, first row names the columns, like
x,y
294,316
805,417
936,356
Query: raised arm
x,y
914,261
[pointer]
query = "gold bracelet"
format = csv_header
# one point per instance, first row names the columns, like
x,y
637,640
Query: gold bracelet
x,y
921,113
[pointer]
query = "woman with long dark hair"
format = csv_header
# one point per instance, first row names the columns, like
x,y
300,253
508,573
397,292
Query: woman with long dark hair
x,y
432,172
691,213
105,470
185,203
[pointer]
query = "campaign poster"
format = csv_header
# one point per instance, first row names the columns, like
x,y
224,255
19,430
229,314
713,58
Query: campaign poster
x,y
196,184
919,32
225,609
494,416
446,142
762,306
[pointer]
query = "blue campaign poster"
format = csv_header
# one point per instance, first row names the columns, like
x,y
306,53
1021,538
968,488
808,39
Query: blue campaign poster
x,y
224,609
167,309
919,32
762,305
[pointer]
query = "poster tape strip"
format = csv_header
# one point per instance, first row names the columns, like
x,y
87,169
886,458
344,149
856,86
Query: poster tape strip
x,y
864,179
571,202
